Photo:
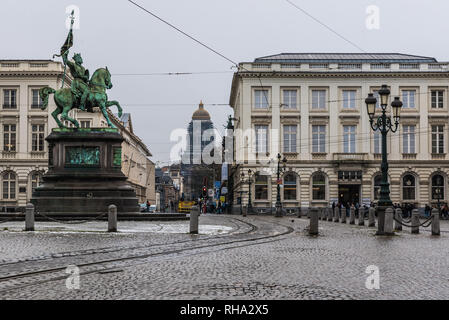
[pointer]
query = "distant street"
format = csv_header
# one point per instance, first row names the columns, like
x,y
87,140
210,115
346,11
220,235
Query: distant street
x,y
257,257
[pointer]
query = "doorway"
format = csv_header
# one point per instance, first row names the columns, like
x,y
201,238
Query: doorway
x,y
349,193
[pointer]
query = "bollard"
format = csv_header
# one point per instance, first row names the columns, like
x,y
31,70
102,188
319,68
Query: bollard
x,y
29,217
435,222
415,221
352,215
313,227
336,214
194,220
398,219
371,217
343,215
388,226
112,218
362,212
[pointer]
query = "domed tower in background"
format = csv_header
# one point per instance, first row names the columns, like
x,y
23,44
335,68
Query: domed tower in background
x,y
196,173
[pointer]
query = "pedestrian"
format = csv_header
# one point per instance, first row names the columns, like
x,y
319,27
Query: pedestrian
x,y
148,204
427,210
348,206
357,206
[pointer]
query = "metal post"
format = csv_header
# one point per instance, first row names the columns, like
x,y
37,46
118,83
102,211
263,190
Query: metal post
x,y
112,218
371,217
194,213
29,217
415,221
352,215
313,227
398,220
388,226
435,222
362,212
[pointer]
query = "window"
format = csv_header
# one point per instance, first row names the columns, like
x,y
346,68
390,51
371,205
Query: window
x,y
437,101
408,99
261,99
349,98
438,139
290,187
319,139
318,99
261,187
36,99
408,139
319,187
408,187
9,99
9,137
377,96
437,187
377,139
261,138
9,185
37,137
377,181
85,124
289,138
36,180
348,139
290,98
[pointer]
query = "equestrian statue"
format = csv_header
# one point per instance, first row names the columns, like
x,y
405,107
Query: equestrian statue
x,y
84,93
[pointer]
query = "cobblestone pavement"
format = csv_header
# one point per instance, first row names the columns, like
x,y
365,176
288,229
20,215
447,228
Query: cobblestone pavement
x,y
258,257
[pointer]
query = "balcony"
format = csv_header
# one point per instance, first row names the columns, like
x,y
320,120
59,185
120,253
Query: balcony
x,y
350,156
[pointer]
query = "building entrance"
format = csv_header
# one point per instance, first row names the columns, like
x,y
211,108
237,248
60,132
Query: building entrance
x,y
349,193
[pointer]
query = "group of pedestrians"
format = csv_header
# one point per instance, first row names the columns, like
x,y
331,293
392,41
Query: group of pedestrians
x,y
346,208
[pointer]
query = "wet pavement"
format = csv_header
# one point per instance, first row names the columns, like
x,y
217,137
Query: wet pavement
x,y
256,257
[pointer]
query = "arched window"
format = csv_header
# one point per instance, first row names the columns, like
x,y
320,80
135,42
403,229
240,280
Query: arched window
x,y
9,185
261,187
408,187
290,186
377,181
319,187
437,187
36,180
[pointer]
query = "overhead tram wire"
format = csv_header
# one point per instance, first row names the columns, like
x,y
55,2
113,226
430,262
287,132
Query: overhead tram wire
x,y
199,42
326,26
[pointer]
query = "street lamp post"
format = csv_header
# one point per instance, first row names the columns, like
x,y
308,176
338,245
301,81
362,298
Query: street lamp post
x,y
278,188
249,207
383,124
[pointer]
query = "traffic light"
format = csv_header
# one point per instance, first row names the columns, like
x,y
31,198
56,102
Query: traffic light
x,y
204,191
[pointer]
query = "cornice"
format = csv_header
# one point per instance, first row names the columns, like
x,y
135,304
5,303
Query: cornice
x,y
367,74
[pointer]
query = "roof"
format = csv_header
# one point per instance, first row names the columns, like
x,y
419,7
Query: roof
x,y
345,57
201,113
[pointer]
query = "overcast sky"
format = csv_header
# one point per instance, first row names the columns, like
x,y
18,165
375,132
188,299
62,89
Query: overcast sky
x,y
121,36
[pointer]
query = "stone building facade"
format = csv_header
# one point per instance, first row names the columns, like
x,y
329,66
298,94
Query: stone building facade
x,y
310,108
24,126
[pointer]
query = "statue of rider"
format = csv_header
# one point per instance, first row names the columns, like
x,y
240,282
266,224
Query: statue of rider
x,y
80,83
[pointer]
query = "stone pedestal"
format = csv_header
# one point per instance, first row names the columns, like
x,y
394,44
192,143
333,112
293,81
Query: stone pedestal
x,y
84,174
